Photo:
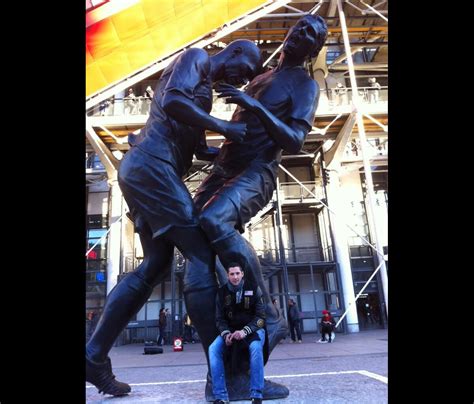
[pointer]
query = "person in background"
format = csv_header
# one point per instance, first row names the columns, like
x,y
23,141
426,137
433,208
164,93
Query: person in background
x,y
294,321
339,93
188,330
92,319
162,322
131,102
275,304
327,326
147,97
374,90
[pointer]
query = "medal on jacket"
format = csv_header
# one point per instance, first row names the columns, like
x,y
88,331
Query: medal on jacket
x,y
246,302
228,300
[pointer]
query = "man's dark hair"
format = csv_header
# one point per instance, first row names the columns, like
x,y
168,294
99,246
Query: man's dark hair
x,y
234,264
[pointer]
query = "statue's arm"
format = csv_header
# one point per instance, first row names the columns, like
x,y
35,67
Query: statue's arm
x,y
191,71
289,136
205,152
184,110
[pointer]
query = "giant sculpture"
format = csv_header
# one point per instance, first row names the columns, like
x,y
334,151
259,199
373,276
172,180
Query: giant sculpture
x,y
278,107
160,204
275,113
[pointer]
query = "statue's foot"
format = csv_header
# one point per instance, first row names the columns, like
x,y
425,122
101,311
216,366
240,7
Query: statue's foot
x,y
277,329
238,388
101,376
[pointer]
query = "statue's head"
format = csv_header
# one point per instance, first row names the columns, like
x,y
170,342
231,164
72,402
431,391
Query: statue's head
x,y
306,37
243,62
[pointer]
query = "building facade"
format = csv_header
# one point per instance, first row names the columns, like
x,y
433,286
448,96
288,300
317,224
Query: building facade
x,y
313,238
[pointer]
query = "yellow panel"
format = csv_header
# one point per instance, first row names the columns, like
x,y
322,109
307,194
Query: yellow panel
x,y
140,52
130,23
190,32
215,11
114,66
237,8
150,30
95,79
158,14
186,8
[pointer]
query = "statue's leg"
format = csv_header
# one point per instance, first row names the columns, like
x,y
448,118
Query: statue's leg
x,y
218,219
122,303
200,285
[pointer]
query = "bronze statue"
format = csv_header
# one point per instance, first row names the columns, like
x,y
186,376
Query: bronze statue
x,y
160,204
278,108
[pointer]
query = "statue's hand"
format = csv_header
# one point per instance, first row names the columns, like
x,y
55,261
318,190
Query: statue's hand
x,y
234,131
234,96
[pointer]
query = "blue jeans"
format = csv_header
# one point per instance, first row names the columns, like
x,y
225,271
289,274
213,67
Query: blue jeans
x,y
216,355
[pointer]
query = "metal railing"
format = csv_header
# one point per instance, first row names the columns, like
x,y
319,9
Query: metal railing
x,y
331,100
295,191
377,147
297,254
334,98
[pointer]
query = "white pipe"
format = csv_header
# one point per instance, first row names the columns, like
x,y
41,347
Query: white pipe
x,y
358,295
364,152
375,11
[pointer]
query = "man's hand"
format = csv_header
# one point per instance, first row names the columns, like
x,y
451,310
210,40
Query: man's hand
x,y
234,96
228,339
238,335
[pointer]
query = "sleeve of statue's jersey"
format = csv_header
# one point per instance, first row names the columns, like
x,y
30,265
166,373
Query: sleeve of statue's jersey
x,y
190,70
304,102
259,319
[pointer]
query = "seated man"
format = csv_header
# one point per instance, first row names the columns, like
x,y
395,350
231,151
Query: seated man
x,y
240,318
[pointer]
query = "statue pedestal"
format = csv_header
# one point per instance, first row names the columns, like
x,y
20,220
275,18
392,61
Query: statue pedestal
x,y
238,387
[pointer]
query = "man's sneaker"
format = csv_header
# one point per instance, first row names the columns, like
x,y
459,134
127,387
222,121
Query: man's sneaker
x,y
256,401
220,402
300,342
101,376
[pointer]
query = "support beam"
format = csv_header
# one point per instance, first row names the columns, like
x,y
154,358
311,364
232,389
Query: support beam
x,y
114,242
335,198
334,154
359,66
367,170
109,161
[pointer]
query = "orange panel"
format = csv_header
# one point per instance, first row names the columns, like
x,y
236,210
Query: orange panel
x,y
145,31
